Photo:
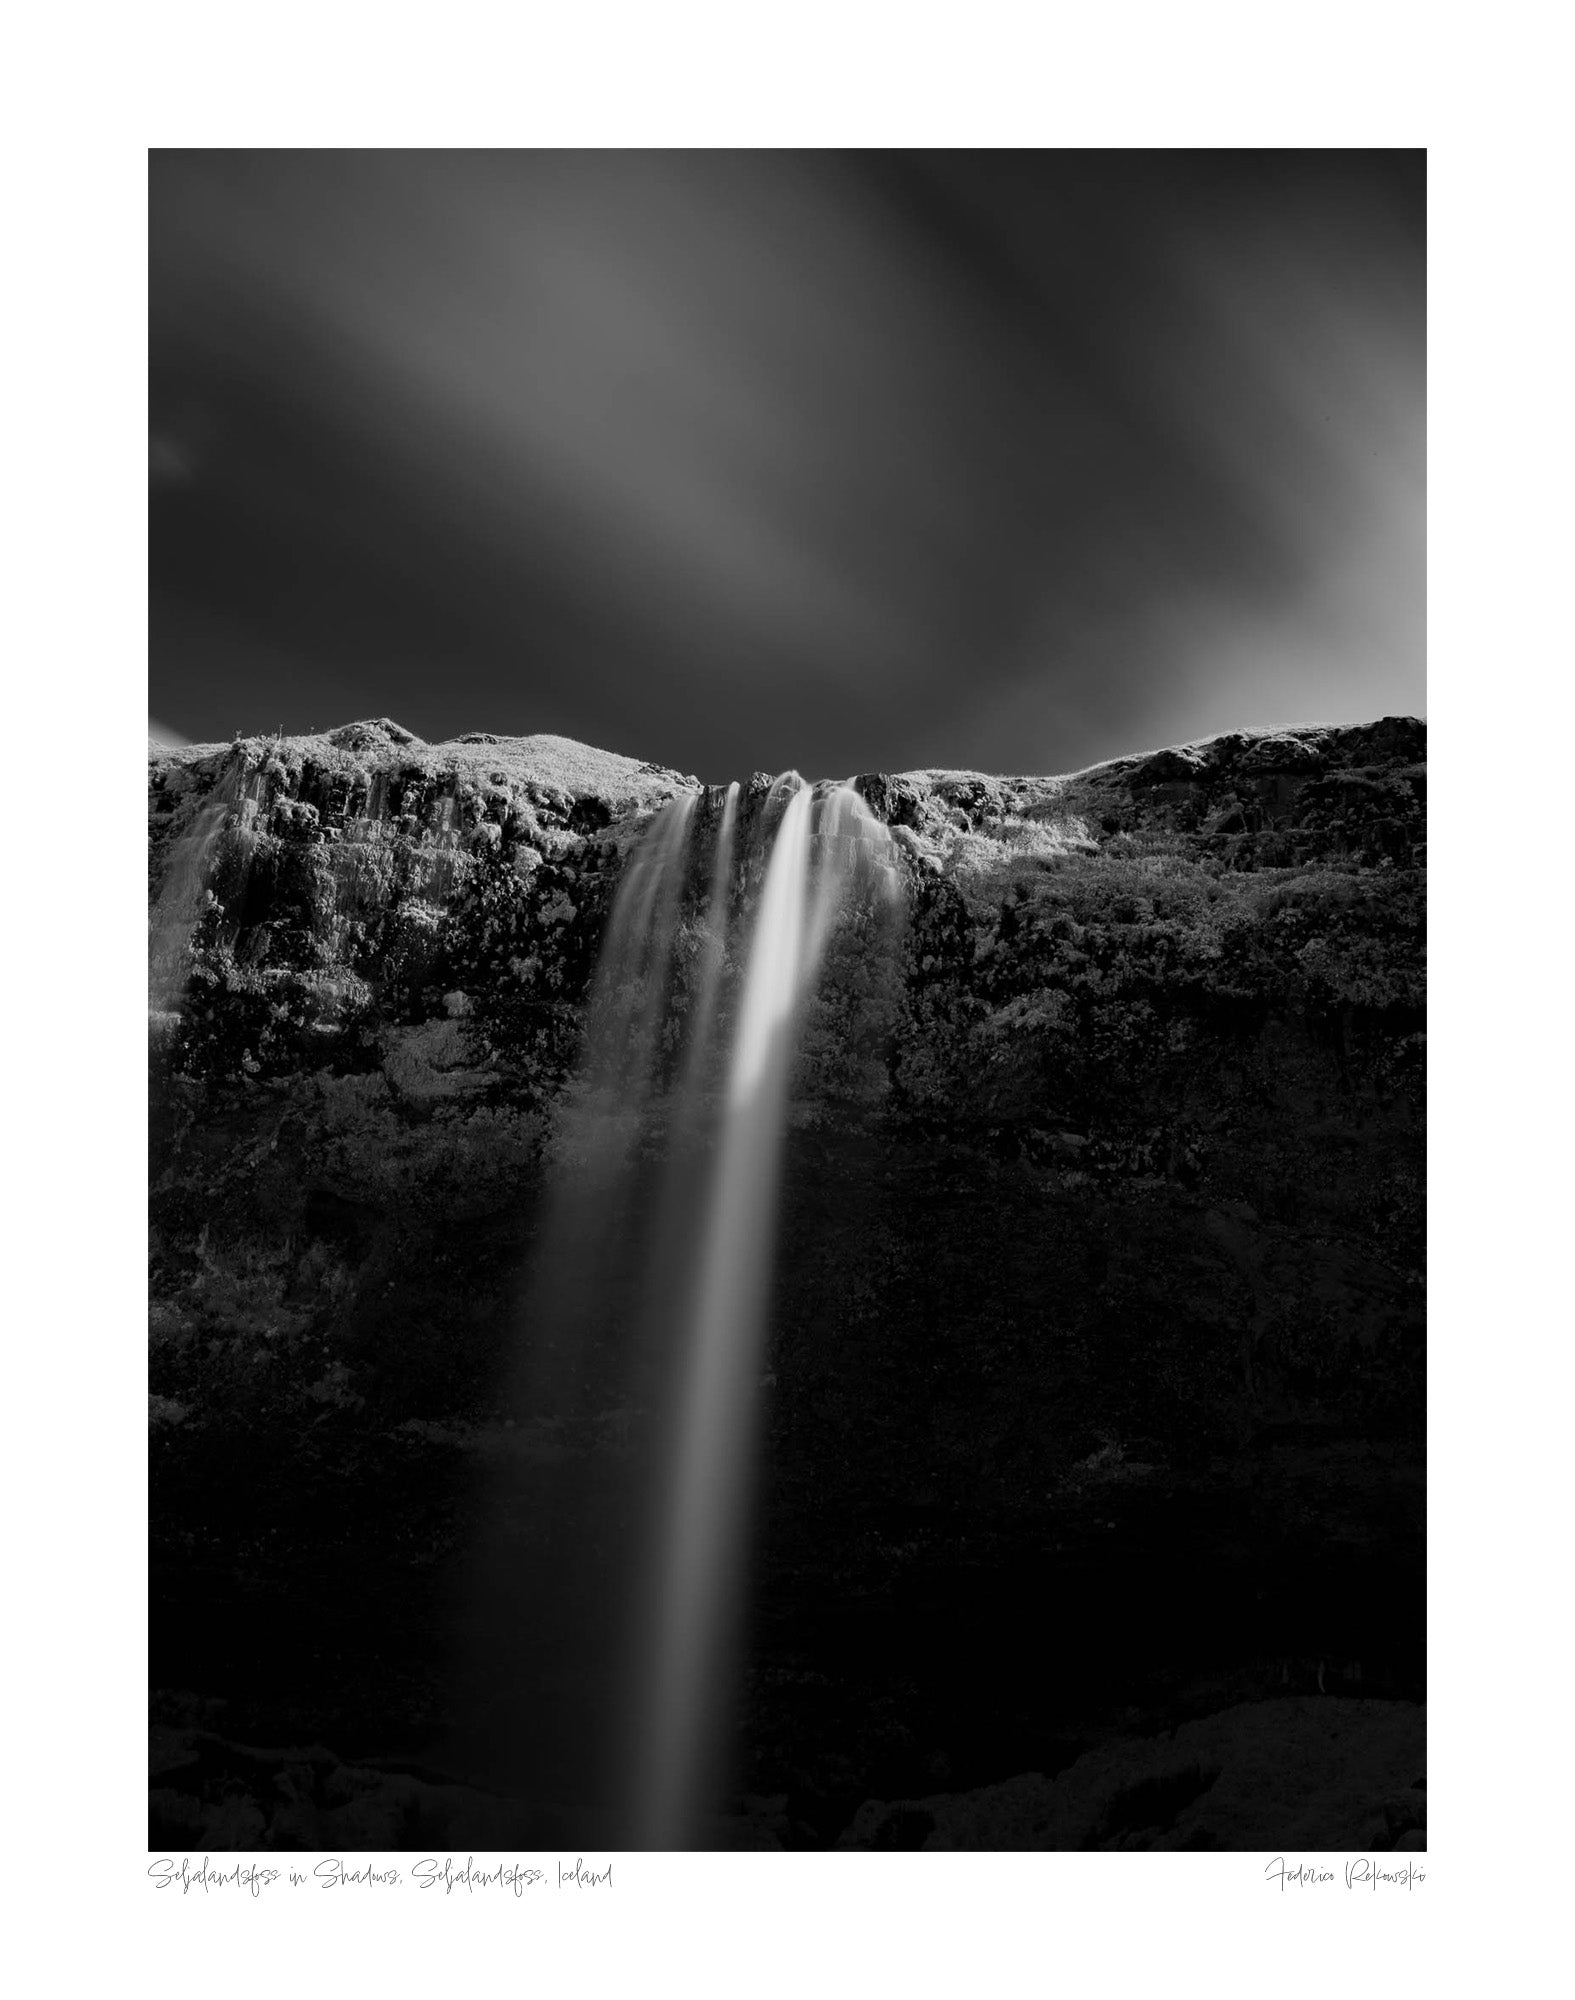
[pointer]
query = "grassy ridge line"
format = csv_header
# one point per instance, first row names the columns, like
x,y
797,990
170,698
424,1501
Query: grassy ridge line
x,y
549,760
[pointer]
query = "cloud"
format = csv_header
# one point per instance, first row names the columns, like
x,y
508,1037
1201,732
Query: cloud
x,y
171,460
727,389
733,459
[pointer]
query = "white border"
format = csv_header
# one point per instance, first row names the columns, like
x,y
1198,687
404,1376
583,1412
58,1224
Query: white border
x,y
89,89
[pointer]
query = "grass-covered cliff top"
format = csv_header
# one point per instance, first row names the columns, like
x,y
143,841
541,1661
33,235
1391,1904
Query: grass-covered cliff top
x,y
584,771
558,761
1252,756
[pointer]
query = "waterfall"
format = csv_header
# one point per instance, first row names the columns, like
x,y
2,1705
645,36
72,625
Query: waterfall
x,y
586,1240
706,1470
704,1505
614,1576
713,950
188,872
633,978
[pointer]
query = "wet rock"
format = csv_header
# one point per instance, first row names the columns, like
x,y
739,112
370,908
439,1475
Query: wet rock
x,y
226,1796
1296,1773
899,802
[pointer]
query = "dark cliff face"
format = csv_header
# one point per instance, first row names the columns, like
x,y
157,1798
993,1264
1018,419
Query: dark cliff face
x,y
1098,1310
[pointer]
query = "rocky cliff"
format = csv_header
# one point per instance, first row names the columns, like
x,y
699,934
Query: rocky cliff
x,y
1094,1403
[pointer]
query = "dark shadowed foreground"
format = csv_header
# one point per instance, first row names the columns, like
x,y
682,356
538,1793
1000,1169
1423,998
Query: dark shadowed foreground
x,y
1088,1506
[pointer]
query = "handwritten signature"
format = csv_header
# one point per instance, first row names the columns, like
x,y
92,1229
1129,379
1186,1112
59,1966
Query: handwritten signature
x,y
1359,1872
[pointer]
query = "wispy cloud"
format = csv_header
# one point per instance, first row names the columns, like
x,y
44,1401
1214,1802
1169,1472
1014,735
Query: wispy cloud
x,y
790,476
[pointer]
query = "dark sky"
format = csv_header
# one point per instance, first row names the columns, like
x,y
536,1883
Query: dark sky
x,y
739,461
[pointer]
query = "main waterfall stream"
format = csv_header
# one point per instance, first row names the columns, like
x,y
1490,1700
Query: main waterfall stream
x,y
657,1252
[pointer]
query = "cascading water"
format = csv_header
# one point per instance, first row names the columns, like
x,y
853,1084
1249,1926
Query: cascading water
x,y
822,848
188,872
695,1284
588,1252
706,1473
713,952
211,862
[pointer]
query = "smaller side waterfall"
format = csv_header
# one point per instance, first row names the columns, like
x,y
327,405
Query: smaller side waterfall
x,y
633,978
188,872
588,1257
713,953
